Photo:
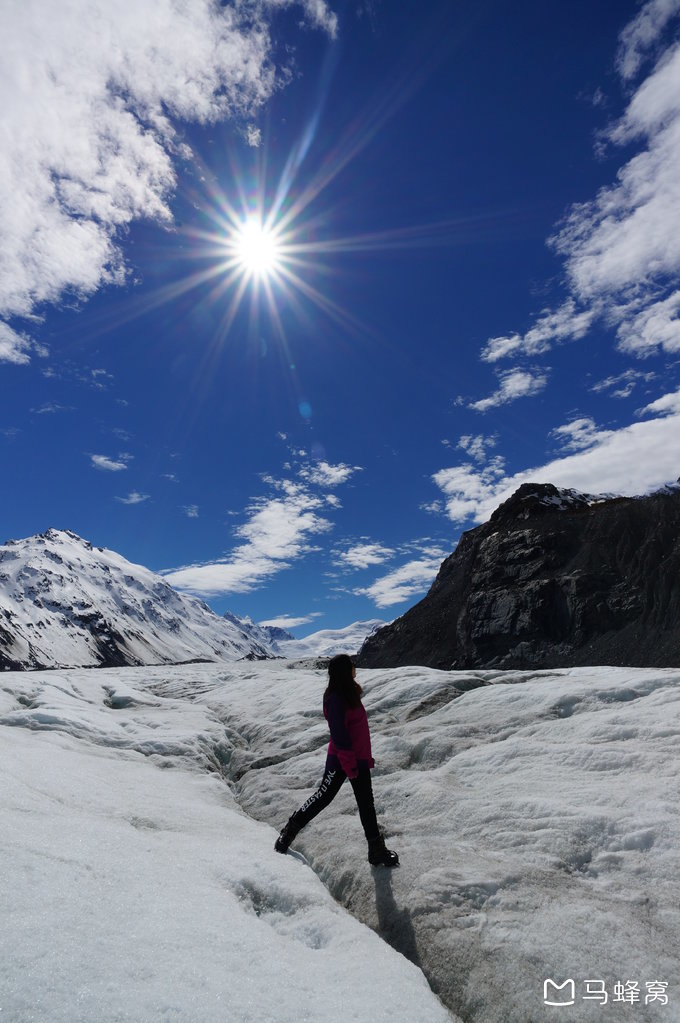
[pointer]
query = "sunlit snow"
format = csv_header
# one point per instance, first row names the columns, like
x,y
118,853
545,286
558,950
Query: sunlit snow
x,y
535,815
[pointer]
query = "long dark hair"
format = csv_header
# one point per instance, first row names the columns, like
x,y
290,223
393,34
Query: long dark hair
x,y
340,680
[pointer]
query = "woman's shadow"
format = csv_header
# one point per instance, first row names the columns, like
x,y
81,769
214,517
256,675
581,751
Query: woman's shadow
x,y
394,924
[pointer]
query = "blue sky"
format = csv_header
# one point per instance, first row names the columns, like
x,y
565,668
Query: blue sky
x,y
477,214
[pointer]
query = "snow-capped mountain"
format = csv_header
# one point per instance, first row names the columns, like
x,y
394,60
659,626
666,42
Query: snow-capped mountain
x,y
65,603
329,642
324,643
266,636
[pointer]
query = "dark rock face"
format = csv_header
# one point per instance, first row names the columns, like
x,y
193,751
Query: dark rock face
x,y
553,579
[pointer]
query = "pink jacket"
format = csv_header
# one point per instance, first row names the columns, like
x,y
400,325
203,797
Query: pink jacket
x,y
350,738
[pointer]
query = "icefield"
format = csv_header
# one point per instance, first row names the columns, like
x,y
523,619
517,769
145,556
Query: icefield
x,y
535,815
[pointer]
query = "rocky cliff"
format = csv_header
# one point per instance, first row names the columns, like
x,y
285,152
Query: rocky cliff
x,y
553,579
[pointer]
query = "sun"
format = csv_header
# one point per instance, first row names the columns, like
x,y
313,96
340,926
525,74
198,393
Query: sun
x,y
256,248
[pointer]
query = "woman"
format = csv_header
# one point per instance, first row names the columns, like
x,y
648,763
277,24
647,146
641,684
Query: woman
x,y
349,756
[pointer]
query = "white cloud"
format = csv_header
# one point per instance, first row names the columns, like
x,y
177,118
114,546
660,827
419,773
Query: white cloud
x,y
411,579
322,474
317,13
51,408
362,555
286,622
640,35
276,534
432,507
621,249
109,464
564,324
14,347
632,460
514,383
476,446
579,434
657,326
90,91
191,511
133,498
667,404
467,488
628,379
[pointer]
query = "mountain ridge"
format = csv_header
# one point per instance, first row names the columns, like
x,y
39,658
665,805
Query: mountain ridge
x,y
66,603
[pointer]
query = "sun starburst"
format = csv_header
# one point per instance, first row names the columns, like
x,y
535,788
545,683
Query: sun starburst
x,y
256,247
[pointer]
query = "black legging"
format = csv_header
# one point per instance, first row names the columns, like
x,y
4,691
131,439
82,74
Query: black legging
x,y
331,783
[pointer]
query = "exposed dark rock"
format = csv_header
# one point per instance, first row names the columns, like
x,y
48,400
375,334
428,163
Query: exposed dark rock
x,y
553,579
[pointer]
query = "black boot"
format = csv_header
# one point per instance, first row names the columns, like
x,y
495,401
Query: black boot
x,y
379,855
288,833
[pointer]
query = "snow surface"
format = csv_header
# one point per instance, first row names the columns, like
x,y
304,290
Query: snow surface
x,y
535,815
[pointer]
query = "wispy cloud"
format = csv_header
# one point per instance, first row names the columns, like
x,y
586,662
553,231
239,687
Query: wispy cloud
x,y
317,13
253,136
623,384
477,445
109,464
666,405
190,510
621,249
409,580
277,532
16,347
362,555
631,460
92,93
51,408
514,384
121,434
579,434
567,323
100,378
322,474
287,622
134,497
641,35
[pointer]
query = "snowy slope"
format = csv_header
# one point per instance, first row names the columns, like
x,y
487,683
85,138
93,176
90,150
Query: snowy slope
x,y
529,495
536,814
133,893
329,642
266,636
64,602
